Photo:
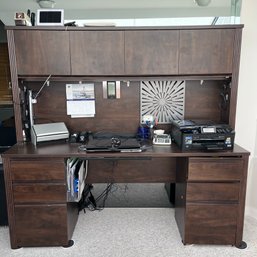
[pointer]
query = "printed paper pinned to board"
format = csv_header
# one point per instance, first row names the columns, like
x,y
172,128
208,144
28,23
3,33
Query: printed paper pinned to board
x,y
80,100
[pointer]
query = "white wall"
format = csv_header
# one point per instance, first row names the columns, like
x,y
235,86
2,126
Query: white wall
x,y
246,120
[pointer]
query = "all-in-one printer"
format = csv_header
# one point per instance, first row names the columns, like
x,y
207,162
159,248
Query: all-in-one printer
x,y
202,134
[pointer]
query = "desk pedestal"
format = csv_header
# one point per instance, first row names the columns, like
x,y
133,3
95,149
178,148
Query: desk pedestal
x,y
209,200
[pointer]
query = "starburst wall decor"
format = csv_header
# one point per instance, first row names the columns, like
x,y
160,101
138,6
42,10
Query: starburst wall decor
x,y
164,100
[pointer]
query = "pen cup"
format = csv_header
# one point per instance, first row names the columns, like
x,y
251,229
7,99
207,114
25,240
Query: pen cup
x,y
143,133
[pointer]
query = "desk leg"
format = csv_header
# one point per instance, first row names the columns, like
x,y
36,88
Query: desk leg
x,y
170,188
70,243
242,245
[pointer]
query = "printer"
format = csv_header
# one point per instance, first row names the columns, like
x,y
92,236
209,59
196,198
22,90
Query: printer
x,y
202,135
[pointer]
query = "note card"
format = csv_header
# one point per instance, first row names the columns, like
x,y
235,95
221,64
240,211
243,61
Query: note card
x,y
80,100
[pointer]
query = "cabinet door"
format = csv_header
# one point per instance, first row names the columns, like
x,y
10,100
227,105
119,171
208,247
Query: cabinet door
x,y
206,51
42,52
97,52
151,52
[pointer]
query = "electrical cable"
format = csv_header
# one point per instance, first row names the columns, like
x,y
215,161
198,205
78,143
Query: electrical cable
x,y
45,83
104,195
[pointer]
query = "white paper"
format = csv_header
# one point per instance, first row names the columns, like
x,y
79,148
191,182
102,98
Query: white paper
x,y
80,100
76,176
82,172
80,107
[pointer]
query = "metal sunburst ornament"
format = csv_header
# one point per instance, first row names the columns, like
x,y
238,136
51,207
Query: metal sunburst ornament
x,y
163,99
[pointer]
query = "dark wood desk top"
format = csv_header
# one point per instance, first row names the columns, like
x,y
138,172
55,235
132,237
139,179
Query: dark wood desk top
x,y
65,150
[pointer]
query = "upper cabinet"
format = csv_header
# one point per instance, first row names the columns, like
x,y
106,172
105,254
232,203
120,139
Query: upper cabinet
x,y
206,51
41,52
126,52
97,52
151,52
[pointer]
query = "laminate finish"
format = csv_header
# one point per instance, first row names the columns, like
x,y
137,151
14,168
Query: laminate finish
x,y
15,87
40,193
213,192
212,224
97,52
40,225
210,186
128,28
128,53
216,169
42,53
42,216
208,200
151,52
38,170
128,171
206,51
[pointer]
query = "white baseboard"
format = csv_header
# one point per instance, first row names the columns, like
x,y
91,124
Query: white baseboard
x,y
252,212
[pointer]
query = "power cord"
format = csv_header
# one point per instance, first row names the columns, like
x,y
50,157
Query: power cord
x,y
104,195
88,200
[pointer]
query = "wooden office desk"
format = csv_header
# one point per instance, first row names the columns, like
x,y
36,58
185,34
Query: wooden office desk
x,y
210,190
210,186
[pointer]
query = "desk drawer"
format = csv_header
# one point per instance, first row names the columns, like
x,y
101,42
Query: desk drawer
x,y
213,191
211,224
39,193
40,170
215,169
40,225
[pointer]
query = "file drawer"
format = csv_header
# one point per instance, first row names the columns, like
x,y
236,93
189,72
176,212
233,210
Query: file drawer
x,y
215,169
213,191
41,170
39,193
40,225
211,224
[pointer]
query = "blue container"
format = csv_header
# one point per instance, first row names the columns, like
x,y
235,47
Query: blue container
x,y
143,132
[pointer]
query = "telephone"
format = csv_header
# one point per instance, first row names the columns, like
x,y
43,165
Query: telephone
x,y
79,137
163,139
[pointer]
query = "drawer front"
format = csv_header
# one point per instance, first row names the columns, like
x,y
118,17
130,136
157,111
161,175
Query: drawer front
x,y
41,225
41,170
39,193
215,169
129,171
213,191
211,224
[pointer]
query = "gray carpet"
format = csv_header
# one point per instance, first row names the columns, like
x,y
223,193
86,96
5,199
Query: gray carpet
x,y
132,232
